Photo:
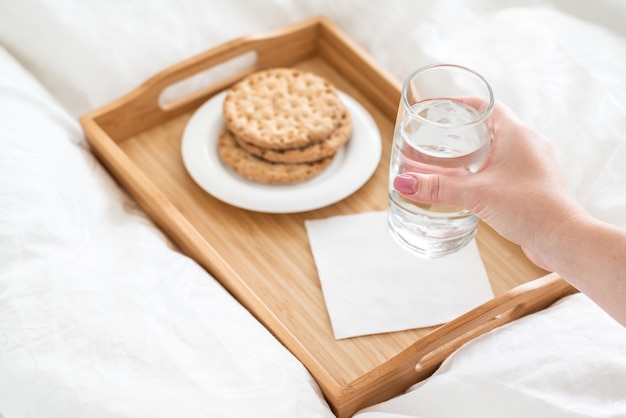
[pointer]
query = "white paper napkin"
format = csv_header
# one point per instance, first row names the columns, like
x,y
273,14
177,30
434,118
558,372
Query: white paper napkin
x,y
373,285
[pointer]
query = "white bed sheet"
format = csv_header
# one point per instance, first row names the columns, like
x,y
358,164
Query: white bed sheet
x,y
560,64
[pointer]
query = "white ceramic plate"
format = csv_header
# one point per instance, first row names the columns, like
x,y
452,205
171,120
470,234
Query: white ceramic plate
x,y
352,166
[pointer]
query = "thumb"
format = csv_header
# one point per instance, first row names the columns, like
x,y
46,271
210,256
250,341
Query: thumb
x,y
431,188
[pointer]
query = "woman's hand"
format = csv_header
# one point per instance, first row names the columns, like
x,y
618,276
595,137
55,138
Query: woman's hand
x,y
519,191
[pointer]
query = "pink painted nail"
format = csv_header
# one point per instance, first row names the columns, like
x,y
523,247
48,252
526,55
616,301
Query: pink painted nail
x,y
405,184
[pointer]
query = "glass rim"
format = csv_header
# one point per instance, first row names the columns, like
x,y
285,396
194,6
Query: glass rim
x,y
408,108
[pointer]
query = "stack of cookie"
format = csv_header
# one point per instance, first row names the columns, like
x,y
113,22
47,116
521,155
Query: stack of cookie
x,y
282,126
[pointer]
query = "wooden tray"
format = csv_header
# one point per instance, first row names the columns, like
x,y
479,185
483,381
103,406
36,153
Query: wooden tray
x,y
263,259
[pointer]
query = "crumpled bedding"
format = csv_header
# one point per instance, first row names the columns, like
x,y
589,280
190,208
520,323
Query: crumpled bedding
x,y
100,317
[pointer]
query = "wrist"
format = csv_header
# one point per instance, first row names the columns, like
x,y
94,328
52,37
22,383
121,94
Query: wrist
x,y
562,247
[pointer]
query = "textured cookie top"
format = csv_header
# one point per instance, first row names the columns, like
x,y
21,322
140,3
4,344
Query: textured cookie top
x,y
282,108
309,153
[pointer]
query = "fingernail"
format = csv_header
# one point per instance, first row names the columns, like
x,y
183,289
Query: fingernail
x,y
405,184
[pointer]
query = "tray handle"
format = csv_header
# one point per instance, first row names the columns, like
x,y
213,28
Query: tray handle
x,y
144,108
422,359
520,301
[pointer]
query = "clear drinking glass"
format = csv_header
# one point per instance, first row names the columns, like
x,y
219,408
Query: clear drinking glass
x,y
438,132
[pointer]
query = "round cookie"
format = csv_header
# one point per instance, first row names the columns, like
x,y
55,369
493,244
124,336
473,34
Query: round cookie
x,y
256,169
282,108
314,152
